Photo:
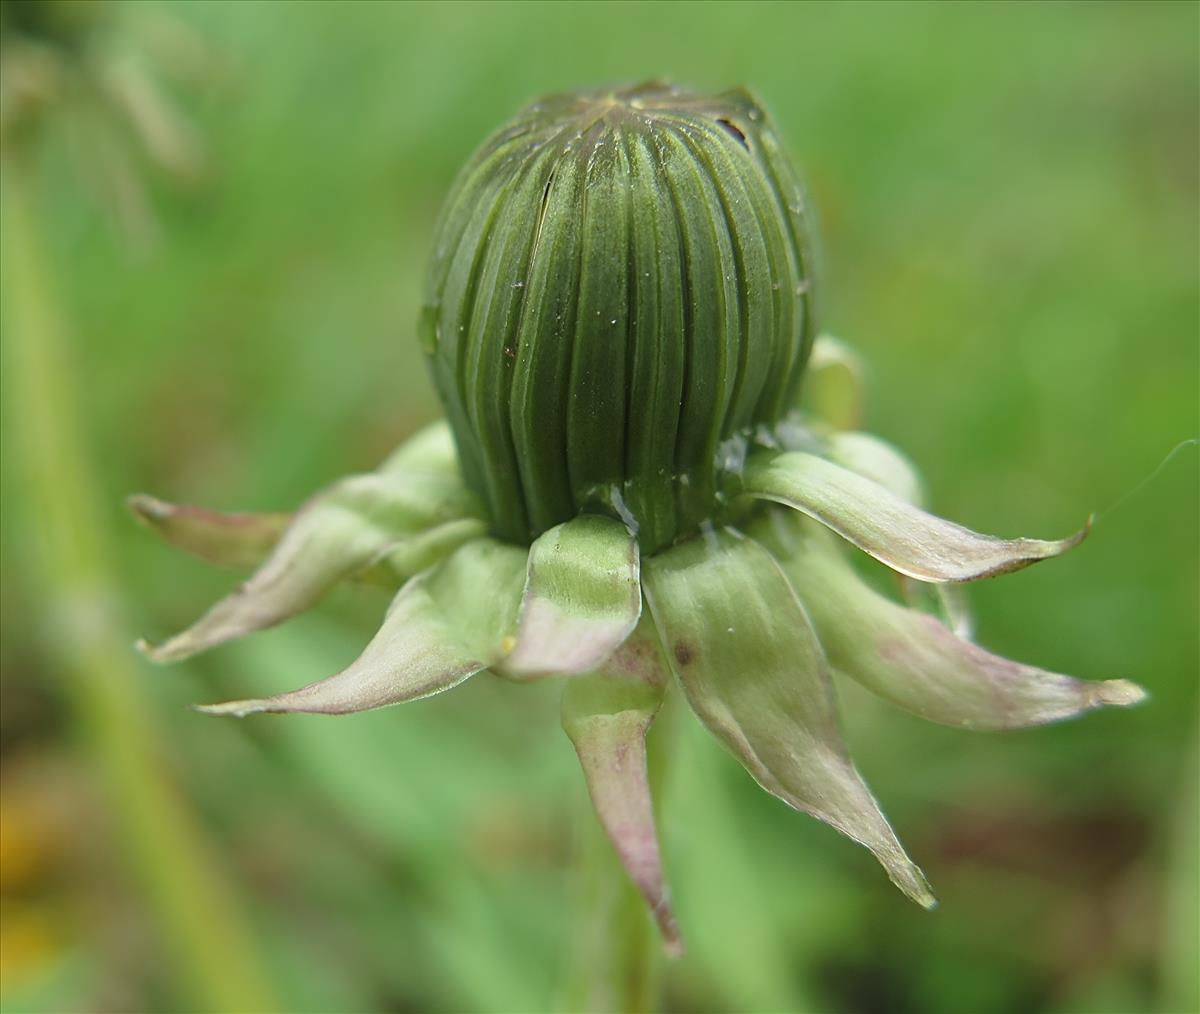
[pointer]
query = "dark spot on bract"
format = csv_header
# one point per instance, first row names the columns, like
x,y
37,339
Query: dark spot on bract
x,y
736,131
683,652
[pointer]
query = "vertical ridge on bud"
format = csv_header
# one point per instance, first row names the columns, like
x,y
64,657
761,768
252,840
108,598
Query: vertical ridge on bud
x,y
458,287
596,407
657,347
439,338
490,342
772,303
538,406
753,272
618,287
712,335
785,185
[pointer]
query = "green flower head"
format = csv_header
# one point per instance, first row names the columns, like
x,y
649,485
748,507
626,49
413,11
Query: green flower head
x,y
618,315
620,283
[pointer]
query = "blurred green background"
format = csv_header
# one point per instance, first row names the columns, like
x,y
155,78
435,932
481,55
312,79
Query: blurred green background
x,y
1008,200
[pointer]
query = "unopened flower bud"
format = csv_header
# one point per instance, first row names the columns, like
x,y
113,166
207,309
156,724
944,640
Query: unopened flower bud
x,y
618,316
620,282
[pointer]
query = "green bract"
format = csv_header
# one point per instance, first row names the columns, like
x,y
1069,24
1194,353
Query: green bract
x,y
620,283
626,495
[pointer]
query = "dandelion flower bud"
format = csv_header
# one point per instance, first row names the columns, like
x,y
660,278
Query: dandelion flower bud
x,y
620,283
618,316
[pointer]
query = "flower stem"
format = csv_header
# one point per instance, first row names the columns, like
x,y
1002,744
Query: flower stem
x,y
209,944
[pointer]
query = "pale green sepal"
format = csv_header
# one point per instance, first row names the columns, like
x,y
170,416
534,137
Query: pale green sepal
x,y
430,450
912,660
607,713
444,625
884,525
752,668
227,540
408,556
878,461
948,602
833,385
582,598
882,463
334,536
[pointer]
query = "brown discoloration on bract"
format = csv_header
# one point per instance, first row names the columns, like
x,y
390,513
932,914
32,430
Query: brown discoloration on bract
x,y
637,658
735,130
683,653
150,510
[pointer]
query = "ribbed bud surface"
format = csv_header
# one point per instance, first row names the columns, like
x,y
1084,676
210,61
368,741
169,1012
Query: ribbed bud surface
x,y
620,283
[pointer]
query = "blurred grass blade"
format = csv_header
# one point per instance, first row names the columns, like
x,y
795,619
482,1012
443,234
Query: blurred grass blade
x,y
1181,931
191,898
752,668
167,137
882,524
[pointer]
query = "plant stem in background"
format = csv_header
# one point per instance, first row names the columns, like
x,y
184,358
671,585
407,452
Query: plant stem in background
x,y
613,964
202,929
1181,984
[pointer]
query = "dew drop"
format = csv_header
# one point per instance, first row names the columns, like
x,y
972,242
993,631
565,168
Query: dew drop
x,y
429,329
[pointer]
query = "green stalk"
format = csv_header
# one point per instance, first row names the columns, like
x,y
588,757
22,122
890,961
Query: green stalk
x,y
194,906
614,962
1181,935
